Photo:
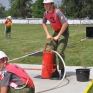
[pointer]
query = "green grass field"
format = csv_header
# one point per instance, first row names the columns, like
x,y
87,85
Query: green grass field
x,y
28,38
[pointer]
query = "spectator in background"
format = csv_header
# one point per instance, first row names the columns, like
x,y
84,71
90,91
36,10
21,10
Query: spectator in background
x,y
8,24
14,79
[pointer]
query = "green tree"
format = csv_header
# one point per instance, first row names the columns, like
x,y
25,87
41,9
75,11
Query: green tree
x,y
78,8
11,2
21,8
2,11
38,9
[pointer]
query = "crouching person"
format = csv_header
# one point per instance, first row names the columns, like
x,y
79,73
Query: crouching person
x,y
13,79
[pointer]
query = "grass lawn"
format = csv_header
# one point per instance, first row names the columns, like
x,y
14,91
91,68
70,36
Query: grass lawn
x,y
28,38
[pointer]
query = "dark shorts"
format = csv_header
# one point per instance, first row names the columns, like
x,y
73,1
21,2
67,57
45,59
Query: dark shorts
x,y
8,29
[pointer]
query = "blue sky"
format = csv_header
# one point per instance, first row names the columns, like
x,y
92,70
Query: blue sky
x,y
6,3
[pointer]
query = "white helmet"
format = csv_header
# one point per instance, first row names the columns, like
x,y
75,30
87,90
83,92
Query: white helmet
x,y
9,17
2,55
48,1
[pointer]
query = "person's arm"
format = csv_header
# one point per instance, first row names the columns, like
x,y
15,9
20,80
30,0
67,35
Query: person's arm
x,y
4,89
46,31
48,36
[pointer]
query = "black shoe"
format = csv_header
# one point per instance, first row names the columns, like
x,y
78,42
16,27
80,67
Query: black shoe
x,y
55,74
62,73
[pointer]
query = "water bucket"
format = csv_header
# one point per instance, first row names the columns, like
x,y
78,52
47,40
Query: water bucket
x,y
47,64
82,74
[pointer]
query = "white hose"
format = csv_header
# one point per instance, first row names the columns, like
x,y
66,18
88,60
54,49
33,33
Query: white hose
x,y
61,79
64,67
24,56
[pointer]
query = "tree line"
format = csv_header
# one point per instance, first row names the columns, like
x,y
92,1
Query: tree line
x,y
28,9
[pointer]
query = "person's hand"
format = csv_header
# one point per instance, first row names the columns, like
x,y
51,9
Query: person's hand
x,y
55,38
49,37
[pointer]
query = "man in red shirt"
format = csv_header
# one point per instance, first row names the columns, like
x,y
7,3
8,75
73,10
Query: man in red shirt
x,y
8,24
60,35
